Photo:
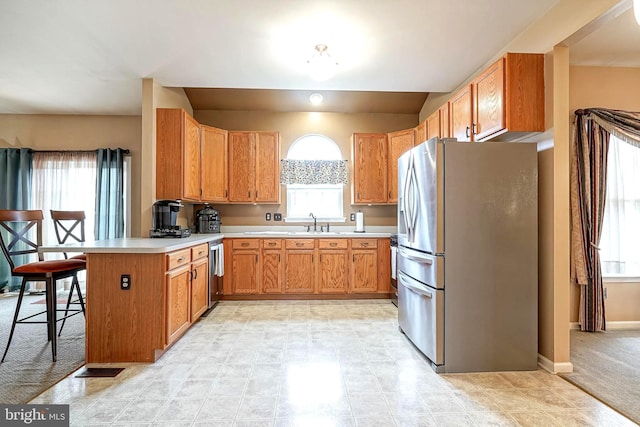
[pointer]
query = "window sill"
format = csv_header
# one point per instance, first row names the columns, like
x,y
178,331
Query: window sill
x,y
318,220
620,279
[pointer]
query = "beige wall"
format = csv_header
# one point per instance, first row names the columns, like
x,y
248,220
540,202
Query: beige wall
x,y
63,132
617,88
291,126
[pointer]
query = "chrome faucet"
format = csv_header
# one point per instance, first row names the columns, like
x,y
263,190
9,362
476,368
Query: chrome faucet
x,y
315,222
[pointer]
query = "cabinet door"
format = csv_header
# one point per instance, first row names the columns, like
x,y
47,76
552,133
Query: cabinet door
x,y
364,270
333,274
433,125
299,271
420,133
244,275
445,126
271,271
213,143
399,142
488,96
199,288
191,159
369,168
461,117
241,167
267,185
178,298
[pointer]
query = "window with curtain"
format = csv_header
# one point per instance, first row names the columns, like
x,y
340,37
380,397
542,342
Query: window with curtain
x,y
315,175
620,241
64,181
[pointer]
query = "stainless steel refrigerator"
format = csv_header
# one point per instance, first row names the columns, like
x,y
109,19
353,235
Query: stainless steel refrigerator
x,y
468,254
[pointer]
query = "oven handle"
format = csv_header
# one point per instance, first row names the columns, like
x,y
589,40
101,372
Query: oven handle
x,y
417,289
416,256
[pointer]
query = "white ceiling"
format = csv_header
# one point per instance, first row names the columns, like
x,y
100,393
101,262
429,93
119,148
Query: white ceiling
x,y
88,57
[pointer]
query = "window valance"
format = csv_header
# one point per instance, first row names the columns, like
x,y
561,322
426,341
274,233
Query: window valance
x,y
624,125
310,172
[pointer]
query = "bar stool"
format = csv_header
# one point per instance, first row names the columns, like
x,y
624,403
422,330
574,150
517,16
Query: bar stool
x,y
69,227
19,224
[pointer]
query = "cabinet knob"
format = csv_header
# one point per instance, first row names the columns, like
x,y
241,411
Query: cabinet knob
x,y
333,244
271,243
466,132
244,244
299,244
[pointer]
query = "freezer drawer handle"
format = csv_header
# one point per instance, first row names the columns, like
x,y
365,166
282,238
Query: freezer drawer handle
x,y
422,258
414,288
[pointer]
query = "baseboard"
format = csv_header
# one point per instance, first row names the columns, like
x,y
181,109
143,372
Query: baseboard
x,y
623,324
612,325
554,368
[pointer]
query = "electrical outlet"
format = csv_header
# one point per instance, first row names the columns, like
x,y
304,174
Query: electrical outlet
x,y
267,216
352,217
125,282
277,216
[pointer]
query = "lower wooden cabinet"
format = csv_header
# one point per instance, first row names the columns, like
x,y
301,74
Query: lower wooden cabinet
x,y
333,266
297,266
299,270
178,312
272,266
199,288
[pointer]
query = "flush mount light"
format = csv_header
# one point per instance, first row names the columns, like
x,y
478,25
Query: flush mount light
x,y
321,65
315,98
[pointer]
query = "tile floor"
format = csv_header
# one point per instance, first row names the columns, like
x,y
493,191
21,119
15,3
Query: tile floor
x,y
316,363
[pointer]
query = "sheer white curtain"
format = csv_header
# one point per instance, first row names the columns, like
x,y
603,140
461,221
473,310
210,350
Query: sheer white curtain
x,y
620,242
64,181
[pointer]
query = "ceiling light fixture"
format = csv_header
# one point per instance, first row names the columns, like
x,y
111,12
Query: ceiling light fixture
x,y
636,10
315,98
321,65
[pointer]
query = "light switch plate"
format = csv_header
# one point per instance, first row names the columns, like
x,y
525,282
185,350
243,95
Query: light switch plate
x,y
352,217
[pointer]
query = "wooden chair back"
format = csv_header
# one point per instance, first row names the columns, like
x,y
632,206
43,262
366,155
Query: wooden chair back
x,y
18,239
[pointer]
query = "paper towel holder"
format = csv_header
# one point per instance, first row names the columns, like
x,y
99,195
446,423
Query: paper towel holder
x,y
359,222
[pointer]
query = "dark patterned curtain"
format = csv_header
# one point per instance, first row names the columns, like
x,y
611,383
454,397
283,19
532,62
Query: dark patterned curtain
x,y
16,165
311,172
588,190
109,215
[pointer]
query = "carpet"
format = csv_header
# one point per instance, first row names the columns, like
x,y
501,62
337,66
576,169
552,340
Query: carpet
x,y
28,369
605,365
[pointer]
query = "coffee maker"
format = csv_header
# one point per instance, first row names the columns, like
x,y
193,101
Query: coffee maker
x,y
207,220
165,215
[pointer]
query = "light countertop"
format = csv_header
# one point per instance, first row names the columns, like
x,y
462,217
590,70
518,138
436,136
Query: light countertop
x,y
134,244
168,244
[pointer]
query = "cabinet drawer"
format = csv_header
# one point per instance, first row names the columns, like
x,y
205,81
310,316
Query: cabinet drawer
x,y
246,244
178,258
199,251
333,243
299,244
364,243
271,243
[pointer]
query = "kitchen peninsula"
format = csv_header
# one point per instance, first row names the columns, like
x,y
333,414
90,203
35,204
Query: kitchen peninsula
x,y
143,294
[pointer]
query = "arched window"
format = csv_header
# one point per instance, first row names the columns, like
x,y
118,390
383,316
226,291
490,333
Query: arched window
x,y
315,175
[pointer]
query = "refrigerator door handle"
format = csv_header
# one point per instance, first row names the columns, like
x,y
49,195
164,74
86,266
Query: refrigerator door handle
x,y
406,202
414,198
406,281
416,256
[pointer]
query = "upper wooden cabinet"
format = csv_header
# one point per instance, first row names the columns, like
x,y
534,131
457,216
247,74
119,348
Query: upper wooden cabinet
x,y
445,123
178,157
369,158
399,142
254,170
506,100
214,153
420,132
461,115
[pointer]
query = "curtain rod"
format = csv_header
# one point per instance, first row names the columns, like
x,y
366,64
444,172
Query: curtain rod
x,y
125,152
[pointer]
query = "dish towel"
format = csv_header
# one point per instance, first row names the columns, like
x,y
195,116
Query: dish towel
x,y
394,253
219,258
